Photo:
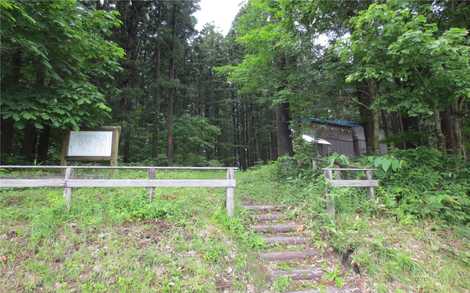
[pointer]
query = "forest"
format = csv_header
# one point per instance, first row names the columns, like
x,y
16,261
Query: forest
x,y
200,98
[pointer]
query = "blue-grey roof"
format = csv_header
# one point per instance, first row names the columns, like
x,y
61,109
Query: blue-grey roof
x,y
337,122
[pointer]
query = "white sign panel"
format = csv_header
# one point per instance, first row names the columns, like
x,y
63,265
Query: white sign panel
x,y
90,144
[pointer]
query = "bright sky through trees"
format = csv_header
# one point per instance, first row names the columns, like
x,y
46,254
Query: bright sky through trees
x,y
219,12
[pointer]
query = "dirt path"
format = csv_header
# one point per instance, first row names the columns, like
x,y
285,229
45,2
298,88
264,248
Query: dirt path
x,y
292,264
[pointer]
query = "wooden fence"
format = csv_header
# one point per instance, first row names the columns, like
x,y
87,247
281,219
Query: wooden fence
x,y
368,183
150,183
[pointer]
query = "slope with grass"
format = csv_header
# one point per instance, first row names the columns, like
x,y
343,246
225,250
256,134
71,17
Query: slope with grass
x,y
116,240
414,238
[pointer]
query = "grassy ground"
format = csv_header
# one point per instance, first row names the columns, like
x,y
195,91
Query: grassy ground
x,y
116,240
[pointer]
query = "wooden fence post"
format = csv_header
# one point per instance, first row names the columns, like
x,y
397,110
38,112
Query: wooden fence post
x,y
230,194
314,165
330,203
68,190
370,189
338,174
151,175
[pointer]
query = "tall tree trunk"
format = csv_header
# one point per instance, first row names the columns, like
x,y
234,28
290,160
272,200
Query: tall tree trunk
x,y
249,133
447,126
366,122
29,142
127,127
273,138
375,143
172,91
169,127
410,124
31,133
441,140
370,117
43,147
246,135
284,140
6,137
375,146
393,128
131,13
17,61
458,109
7,125
126,136
256,136
401,130
156,105
236,128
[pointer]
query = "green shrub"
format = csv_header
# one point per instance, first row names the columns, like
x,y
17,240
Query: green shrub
x,y
416,183
286,168
427,184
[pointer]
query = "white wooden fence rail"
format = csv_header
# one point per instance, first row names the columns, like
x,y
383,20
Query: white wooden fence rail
x,y
368,183
151,183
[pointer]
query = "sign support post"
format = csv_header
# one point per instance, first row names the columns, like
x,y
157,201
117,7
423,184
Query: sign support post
x,y
68,190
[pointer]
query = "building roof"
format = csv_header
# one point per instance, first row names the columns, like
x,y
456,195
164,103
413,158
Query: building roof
x,y
335,122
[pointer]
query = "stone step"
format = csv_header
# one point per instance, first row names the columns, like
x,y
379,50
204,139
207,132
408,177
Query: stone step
x,y
298,274
264,207
268,217
278,228
288,255
274,240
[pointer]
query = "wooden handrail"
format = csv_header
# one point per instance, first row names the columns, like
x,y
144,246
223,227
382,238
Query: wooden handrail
x,y
368,183
72,183
354,183
115,167
150,183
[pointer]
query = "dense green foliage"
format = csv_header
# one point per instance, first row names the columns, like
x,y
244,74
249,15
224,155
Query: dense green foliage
x,y
400,68
56,63
414,184
428,184
397,67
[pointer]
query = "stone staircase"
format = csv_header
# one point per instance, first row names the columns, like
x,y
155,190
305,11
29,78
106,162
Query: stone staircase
x,y
289,252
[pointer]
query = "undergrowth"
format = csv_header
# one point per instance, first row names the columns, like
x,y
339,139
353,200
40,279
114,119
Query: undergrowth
x,y
414,237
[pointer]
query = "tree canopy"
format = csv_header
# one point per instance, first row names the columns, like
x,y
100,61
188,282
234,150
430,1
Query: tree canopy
x,y
400,68
57,63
